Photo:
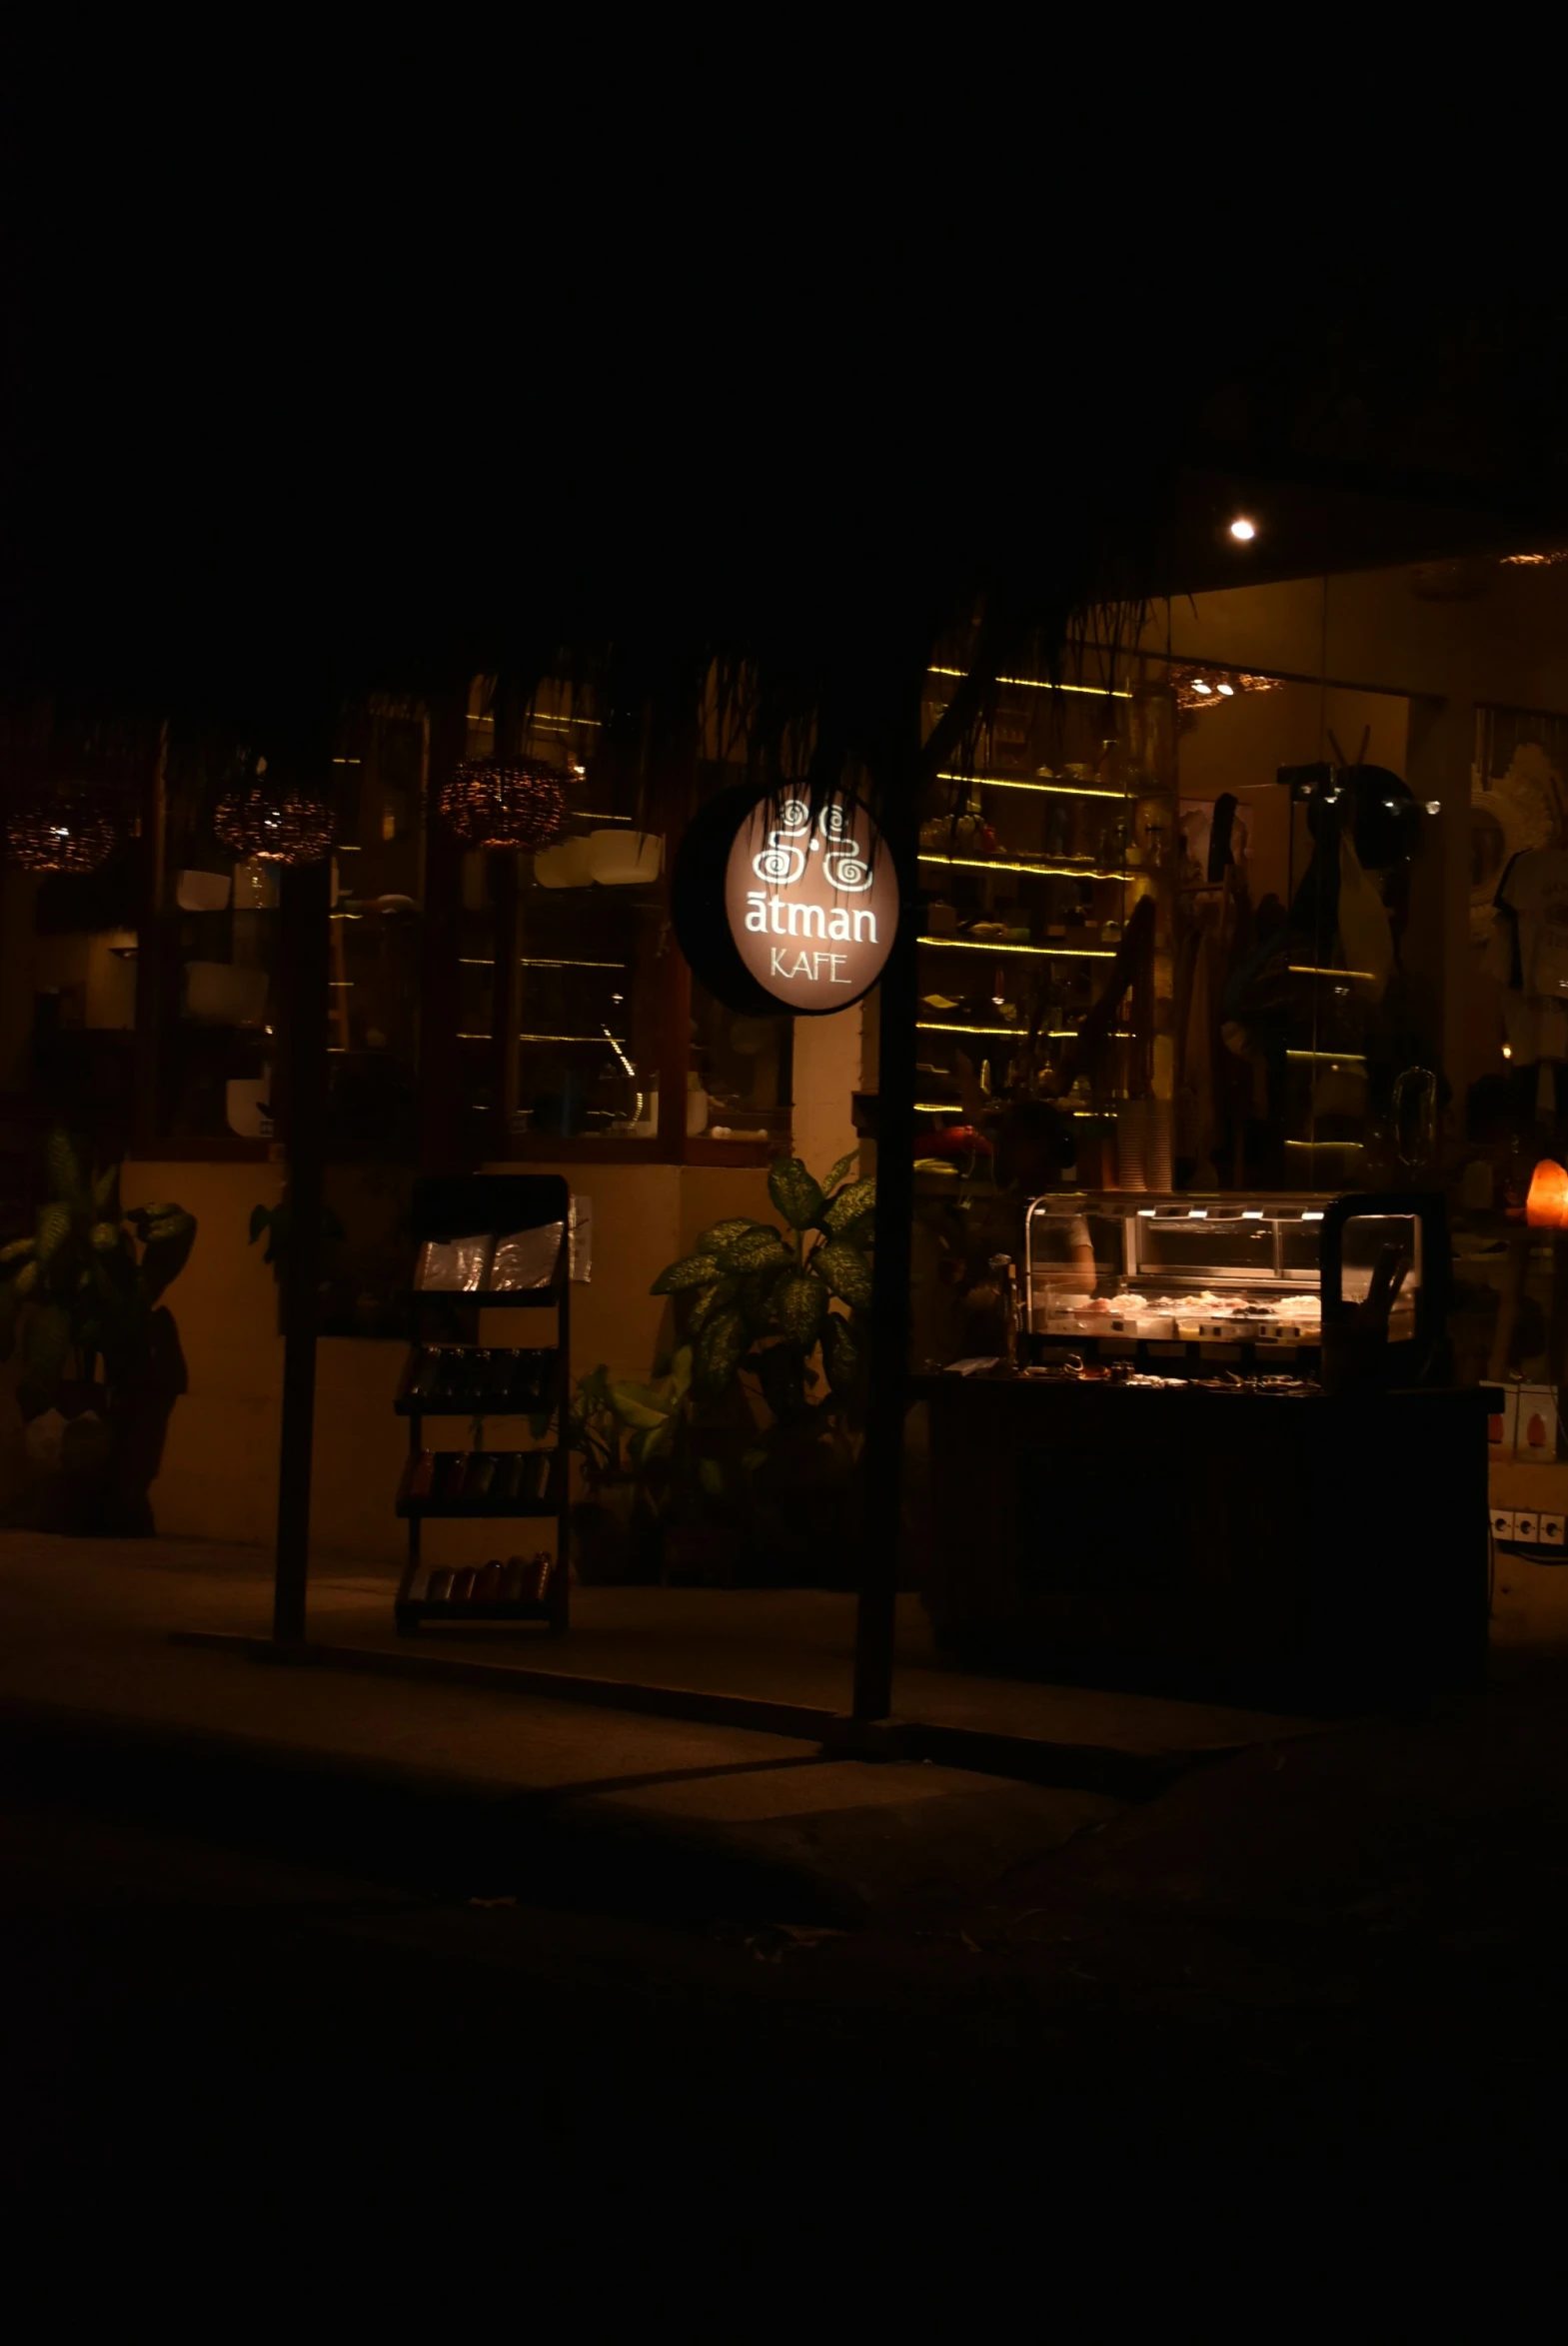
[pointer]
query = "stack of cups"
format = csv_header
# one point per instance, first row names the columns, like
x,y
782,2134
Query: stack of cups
x,y
1132,1145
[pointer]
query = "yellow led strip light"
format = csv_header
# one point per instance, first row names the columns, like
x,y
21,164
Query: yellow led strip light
x,y
1064,789
1085,952
1035,684
1040,871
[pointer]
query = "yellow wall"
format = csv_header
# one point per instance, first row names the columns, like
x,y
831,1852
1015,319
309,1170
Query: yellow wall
x,y
219,1478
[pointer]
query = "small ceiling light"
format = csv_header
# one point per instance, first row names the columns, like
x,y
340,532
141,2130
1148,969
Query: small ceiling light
x,y
1198,686
1227,689
1434,806
1242,530
1508,1050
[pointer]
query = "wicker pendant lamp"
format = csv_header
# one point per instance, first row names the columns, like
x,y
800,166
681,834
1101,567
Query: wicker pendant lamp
x,y
271,821
64,804
62,829
505,802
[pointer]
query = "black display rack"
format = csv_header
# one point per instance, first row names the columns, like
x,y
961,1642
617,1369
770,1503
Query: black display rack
x,y
507,1382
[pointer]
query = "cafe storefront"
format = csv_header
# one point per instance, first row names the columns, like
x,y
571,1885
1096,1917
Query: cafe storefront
x,y
1206,938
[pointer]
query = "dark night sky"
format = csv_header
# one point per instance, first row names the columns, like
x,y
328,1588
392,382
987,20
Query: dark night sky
x,y
317,387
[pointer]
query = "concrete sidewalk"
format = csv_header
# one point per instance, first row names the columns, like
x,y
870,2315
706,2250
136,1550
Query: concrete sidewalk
x,y
471,1790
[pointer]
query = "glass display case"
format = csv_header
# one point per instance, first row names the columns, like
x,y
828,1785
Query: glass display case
x,y
1228,1280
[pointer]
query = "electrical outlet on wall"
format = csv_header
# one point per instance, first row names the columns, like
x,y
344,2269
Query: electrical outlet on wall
x,y
1553,1531
1526,1524
1502,1523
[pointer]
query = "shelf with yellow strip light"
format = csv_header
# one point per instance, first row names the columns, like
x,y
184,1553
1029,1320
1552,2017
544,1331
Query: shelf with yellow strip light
x,y
1079,953
1035,870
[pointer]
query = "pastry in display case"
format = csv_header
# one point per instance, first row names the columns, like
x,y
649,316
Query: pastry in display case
x,y
1232,1279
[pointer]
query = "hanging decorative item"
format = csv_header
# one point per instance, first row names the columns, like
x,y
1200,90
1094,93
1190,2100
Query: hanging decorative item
x,y
62,827
269,822
505,802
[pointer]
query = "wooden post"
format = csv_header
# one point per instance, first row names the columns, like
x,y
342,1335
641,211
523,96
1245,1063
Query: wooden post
x,y
882,1463
152,945
305,896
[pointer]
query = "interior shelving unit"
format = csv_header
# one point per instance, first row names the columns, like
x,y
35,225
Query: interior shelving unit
x,y
509,1383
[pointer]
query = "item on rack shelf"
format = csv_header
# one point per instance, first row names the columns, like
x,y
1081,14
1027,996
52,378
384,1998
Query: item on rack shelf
x,y
511,1580
1081,1250
451,1474
481,1474
422,1475
454,1265
536,1579
424,1383
526,1259
505,802
487,1582
463,1585
957,1141
941,919
437,1589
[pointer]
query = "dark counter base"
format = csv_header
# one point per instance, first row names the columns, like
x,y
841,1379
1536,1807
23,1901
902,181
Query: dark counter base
x,y
1312,1550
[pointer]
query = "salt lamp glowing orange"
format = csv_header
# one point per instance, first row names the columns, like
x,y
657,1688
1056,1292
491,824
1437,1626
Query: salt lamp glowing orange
x,y
1546,1207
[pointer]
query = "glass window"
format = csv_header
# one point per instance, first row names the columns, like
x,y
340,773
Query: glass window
x,y
739,1079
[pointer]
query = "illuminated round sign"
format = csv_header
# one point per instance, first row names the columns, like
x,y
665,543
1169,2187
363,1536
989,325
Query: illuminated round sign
x,y
783,908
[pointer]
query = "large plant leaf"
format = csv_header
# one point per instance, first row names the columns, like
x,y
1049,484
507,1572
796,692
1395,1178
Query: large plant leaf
x,y
845,1270
761,1244
794,1192
25,1280
838,1172
719,1352
856,1198
711,1477
106,1194
53,1227
18,1250
754,1293
637,1404
841,1356
168,1250
261,1220
104,1238
711,1299
798,1305
725,1233
692,1271
680,1372
66,1182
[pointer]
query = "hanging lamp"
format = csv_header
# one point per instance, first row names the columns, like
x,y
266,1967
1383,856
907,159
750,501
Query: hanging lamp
x,y
69,828
267,822
505,802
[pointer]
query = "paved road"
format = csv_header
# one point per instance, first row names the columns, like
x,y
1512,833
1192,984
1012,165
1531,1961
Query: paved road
x,y
239,2059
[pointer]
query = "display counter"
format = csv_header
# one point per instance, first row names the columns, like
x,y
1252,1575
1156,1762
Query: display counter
x,y
1180,1508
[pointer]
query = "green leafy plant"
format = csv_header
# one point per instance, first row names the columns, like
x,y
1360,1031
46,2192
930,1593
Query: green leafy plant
x,y
82,1295
757,1299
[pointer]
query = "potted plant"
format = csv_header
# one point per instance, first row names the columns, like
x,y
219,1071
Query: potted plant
x,y
100,1360
765,1439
